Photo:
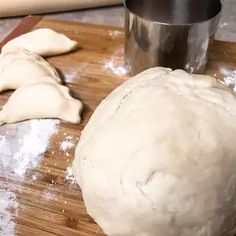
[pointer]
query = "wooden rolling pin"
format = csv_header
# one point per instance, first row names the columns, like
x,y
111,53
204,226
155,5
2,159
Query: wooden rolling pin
x,y
26,7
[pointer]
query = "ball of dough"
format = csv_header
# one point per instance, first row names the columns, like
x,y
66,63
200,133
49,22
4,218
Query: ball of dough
x,y
158,157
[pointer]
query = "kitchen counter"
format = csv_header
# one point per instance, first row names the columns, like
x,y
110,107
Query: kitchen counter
x,y
37,193
114,16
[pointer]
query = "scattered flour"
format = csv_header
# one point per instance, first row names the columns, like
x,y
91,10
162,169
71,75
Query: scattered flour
x,y
115,63
118,70
229,77
115,33
223,25
70,76
69,176
21,148
8,208
25,152
6,152
34,177
66,145
47,195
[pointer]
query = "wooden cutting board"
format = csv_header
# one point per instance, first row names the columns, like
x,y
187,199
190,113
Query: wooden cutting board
x,y
91,72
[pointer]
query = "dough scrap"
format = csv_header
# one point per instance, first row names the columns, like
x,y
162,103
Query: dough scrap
x,y
157,157
21,67
41,100
43,41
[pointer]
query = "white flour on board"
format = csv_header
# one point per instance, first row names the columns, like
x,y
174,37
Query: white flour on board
x,y
8,208
115,33
66,145
118,70
70,76
47,195
223,25
69,176
229,77
17,155
25,152
113,63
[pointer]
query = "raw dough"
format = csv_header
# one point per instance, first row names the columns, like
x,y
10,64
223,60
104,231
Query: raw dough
x,y
45,42
158,157
21,67
41,100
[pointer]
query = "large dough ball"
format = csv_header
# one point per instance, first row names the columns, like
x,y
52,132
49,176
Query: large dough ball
x,y
158,157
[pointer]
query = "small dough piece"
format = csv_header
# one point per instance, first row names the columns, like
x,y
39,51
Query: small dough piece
x,y
21,67
41,100
157,157
43,41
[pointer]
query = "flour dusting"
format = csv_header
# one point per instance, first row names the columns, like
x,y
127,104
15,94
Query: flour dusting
x,y
229,77
25,152
5,151
69,176
115,33
47,195
115,63
118,70
223,25
21,148
67,144
70,76
8,208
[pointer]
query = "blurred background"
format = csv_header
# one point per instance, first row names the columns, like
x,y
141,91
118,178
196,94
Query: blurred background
x,y
113,15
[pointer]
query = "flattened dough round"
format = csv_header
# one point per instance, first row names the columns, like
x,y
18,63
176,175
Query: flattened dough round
x,y
158,158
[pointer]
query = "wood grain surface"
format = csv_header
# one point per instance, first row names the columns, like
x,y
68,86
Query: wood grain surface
x,y
91,72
